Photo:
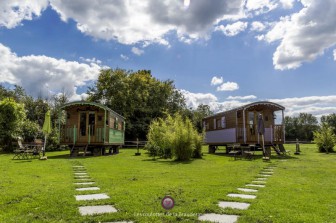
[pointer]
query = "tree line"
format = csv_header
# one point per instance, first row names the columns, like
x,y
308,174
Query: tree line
x,y
137,95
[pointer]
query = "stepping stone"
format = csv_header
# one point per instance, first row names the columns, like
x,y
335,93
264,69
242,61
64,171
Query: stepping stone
x,y
82,176
87,197
258,182
85,183
247,190
236,205
219,218
84,180
87,188
99,209
265,175
254,185
246,196
78,166
80,173
261,178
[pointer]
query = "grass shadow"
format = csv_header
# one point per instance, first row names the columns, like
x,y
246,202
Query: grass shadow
x,y
23,161
168,161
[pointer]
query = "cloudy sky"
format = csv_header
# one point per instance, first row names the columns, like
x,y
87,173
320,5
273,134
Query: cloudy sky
x,y
224,53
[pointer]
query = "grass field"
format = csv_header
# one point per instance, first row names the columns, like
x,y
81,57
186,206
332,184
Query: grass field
x,y
302,188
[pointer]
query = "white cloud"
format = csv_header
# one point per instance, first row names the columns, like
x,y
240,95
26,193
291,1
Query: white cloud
x,y
287,4
124,57
193,100
137,51
316,105
42,74
260,6
232,29
91,60
334,52
228,86
248,97
216,80
304,35
12,13
257,26
134,21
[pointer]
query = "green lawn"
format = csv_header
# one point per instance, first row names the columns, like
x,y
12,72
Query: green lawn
x,y
302,188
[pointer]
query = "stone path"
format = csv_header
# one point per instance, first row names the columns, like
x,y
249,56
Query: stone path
x,y
259,182
83,183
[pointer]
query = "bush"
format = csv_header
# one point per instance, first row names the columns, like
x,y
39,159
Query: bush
x,y
325,138
174,137
12,116
52,141
30,130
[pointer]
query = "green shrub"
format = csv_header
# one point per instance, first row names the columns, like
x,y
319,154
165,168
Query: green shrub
x,y
30,130
174,137
52,141
324,138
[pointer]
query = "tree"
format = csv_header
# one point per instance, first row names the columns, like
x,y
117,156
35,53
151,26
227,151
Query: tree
x,y
330,120
137,96
301,127
201,112
12,115
325,138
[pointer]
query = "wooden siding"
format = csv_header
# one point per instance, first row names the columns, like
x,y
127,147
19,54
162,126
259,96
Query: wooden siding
x,y
116,136
94,126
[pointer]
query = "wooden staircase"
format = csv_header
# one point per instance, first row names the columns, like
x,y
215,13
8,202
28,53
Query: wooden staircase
x,y
79,150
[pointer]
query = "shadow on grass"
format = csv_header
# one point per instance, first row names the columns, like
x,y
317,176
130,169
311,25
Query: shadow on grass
x,y
23,161
67,156
168,161
256,156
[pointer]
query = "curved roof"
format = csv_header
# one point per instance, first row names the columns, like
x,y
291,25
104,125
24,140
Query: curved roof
x,y
76,103
255,105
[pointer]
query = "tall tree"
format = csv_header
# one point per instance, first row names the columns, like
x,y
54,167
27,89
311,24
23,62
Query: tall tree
x,y
201,112
330,120
301,127
137,96
12,116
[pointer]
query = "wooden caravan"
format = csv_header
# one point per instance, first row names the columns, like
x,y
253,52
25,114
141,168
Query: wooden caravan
x,y
251,124
90,128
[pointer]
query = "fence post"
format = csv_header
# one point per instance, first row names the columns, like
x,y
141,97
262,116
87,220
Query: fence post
x,y
297,152
137,153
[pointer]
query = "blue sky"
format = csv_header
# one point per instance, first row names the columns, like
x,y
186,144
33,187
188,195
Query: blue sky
x,y
223,53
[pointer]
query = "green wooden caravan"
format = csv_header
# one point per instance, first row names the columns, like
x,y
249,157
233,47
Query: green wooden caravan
x,y
90,128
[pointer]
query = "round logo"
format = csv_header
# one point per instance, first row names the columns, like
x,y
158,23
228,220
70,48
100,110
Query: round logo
x,y
167,202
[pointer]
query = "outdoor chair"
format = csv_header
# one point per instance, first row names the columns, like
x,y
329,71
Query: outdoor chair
x,y
21,151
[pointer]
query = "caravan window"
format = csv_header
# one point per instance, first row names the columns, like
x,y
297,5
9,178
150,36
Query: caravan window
x,y
219,124
223,124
